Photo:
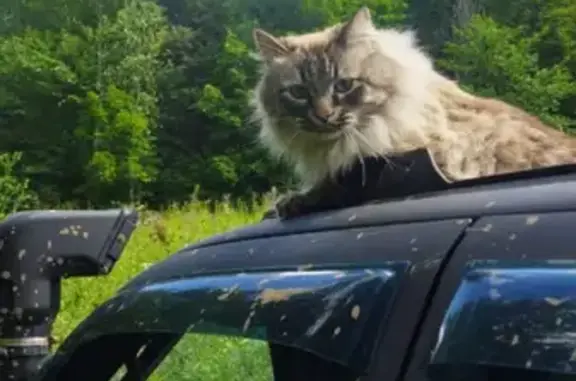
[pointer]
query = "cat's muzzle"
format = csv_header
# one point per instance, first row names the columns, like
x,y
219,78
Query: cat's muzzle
x,y
321,125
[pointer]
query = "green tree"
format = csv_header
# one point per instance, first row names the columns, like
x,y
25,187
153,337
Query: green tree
x,y
503,61
15,193
384,12
82,104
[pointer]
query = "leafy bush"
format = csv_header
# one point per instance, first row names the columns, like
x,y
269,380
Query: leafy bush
x,y
15,193
503,61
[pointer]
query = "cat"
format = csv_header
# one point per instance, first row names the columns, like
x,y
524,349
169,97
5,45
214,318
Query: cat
x,y
332,97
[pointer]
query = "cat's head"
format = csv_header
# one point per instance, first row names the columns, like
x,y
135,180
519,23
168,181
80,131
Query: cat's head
x,y
329,96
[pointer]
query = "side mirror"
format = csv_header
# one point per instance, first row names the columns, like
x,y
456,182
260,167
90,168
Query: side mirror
x,y
37,250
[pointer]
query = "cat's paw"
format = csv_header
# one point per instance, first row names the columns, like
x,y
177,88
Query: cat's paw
x,y
291,205
271,213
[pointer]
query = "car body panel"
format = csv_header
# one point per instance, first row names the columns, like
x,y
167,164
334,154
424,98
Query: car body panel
x,y
505,301
326,312
348,280
517,315
360,246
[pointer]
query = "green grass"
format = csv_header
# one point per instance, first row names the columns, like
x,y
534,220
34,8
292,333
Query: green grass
x,y
195,357
216,358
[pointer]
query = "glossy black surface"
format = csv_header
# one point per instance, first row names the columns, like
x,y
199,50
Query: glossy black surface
x,y
516,314
361,246
323,311
521,281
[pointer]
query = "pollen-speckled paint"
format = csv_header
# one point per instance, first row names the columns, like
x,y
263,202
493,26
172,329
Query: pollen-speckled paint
x,y
523,311
301,309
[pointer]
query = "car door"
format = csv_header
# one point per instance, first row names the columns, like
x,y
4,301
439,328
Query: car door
x,y
505,307
334,298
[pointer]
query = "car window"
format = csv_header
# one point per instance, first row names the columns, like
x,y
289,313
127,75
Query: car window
x,y
209,357
191,357
198,357
182,328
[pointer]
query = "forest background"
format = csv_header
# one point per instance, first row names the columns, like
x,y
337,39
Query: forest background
x,y
107,102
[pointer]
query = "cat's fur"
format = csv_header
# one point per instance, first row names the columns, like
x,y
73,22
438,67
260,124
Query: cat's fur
x,y
398,103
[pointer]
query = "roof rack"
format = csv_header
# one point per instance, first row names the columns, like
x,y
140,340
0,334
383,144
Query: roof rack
x,y
417,172
413,174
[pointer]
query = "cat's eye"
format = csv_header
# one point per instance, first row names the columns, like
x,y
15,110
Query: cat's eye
x,y
343,85
299,92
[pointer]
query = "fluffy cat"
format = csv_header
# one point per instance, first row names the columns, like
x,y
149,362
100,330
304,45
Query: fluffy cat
x,y
329,98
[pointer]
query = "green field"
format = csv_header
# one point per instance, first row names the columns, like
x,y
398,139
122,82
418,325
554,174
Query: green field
x,y
196,357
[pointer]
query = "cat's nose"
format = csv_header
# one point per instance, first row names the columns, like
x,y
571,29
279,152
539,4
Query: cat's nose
x,y
323,110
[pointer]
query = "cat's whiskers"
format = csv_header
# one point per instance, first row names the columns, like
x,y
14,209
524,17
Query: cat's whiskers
x,y
348,135
289,144
373,150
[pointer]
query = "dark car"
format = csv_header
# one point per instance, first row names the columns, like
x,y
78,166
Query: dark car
x,y
473,282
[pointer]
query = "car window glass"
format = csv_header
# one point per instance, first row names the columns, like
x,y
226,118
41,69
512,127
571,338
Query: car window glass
x,y
199,357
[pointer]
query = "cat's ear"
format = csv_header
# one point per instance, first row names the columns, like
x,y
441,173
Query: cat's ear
x,y
268,46
359,24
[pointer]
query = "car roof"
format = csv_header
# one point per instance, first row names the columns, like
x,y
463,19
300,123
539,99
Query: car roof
x,y
536,191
